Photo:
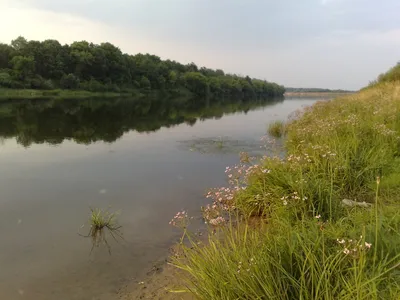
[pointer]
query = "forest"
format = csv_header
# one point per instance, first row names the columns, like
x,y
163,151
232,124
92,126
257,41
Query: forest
x,y
49,65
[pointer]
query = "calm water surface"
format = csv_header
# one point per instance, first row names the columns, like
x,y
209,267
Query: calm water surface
x,y
59,158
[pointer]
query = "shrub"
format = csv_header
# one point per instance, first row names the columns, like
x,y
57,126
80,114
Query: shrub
x,y
69,82
5,79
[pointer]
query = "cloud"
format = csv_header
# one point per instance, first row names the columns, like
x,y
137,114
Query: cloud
x,y
341,44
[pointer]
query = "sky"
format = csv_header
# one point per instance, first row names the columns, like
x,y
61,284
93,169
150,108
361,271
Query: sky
x,y
309,43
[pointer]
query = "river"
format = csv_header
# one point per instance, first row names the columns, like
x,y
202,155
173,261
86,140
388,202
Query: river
x,y
145,159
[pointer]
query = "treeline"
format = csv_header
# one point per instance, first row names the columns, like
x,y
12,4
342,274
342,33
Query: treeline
x,y
90,120
82,65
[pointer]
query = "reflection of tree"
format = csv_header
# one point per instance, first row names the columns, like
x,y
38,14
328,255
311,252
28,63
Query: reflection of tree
x,y
88,121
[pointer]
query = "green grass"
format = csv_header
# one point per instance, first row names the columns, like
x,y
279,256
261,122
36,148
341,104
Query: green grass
x,y
310,245
100,219
288,261
102,222
276,129
6,94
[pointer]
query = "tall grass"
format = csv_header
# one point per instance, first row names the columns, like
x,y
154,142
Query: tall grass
x,y
311,259
276,129
313,245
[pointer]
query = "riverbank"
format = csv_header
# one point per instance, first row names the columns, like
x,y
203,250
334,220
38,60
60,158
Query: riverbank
x,y
330,216
7,94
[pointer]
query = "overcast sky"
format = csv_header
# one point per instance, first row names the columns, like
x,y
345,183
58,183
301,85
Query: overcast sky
x,y
299,43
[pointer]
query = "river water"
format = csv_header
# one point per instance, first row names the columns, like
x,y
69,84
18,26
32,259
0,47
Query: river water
x,y
145,159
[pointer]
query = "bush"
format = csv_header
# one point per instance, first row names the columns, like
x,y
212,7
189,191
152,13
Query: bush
x,y
38,82
112,88
392,75
145,83
69,82
95,86
5,79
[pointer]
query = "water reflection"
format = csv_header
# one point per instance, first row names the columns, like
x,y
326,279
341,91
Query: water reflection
x,y
91,120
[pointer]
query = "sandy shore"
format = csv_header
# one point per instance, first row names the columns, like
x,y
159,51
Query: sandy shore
x,y
162,282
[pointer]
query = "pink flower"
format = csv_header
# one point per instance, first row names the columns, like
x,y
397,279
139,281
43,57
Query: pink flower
x,y
217,221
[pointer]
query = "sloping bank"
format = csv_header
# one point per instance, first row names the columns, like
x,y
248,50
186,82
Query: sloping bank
x,y
328,215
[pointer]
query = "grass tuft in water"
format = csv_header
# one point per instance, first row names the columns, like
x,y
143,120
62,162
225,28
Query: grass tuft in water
x,y
276,129
102,222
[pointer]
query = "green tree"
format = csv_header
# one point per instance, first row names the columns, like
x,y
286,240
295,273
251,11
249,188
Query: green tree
x,y
172,78
196,83
82,59
19,44
6,54
23,66
145,83
69,82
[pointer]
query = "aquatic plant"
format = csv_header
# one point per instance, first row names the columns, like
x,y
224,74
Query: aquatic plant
x,y
276,129
102,222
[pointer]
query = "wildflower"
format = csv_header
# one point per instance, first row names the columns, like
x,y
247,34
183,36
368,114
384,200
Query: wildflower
x,y
368,245
285,202
346,251
180,220
217,221
318,216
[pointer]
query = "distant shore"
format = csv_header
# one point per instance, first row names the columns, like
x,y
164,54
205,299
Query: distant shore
x,y
316,94
49,94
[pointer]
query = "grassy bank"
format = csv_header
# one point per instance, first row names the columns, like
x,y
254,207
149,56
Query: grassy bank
x,y
327,215
6,94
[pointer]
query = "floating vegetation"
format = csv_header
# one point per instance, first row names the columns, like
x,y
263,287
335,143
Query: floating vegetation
x,y
103,222
225,145
222,145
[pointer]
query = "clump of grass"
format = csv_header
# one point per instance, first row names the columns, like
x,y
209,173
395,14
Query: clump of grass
x,y
100,219
276,129
101,222
220,143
